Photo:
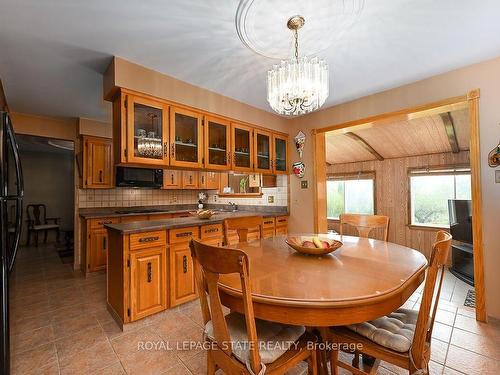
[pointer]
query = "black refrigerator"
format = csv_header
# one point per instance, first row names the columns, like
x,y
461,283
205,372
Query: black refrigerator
x,y
11,209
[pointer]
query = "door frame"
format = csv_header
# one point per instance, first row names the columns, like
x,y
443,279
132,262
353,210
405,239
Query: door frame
x,y
468,101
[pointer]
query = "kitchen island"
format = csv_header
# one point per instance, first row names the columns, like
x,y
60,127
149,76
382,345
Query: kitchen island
x,y
149,265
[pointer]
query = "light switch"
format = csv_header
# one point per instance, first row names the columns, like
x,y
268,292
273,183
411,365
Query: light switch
x,y
303,184
497,177
270,199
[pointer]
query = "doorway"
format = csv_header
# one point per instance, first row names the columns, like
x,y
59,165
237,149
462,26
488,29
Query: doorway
x,y
468,103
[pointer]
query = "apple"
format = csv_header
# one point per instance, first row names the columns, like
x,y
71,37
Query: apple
x,y
308,244
325,244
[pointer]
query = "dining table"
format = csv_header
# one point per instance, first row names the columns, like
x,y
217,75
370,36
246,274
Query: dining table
x,y
362,280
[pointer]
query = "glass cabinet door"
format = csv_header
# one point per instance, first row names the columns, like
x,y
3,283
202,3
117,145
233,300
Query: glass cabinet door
x,y
242,148
147,135
262,153
217,143
186,138
279,161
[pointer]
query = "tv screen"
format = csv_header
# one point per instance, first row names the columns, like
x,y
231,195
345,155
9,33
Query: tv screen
x,y
460,214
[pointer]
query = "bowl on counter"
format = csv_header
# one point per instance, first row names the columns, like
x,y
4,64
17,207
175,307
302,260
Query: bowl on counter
x,y
203,214
313,245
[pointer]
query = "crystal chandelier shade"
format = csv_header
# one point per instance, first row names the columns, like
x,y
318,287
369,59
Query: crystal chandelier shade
x,y
300,85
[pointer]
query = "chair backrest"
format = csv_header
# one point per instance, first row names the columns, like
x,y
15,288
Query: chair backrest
x,y
209,263
36,213
242,225
365,223
420,349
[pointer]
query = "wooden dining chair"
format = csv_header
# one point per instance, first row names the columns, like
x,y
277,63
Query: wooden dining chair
x,y
403,337
233,340
365,223
39,222
242,226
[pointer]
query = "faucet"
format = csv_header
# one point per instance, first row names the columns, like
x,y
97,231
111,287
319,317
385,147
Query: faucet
x,y
234,206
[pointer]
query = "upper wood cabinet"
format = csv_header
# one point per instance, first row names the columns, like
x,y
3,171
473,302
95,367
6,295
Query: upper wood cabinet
x,y
241,148
209,180
186,138
172,179
217,143
190,179
279,160
262,151
97,163
147,131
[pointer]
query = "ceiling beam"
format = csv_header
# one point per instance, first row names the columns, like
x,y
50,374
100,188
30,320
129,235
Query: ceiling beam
x,y
449,127
365,145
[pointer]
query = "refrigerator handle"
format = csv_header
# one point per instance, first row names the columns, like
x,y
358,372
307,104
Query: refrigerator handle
x,y
20,193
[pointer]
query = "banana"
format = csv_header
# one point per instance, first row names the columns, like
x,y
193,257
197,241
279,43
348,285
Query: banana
x,y
317,242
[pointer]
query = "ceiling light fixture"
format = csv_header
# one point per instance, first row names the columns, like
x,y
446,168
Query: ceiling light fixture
x,y
299,85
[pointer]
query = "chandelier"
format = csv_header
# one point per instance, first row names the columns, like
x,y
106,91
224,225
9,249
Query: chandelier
x,y
149,144
300,85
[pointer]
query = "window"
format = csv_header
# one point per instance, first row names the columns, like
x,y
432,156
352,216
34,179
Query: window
x,y
430,191
352,194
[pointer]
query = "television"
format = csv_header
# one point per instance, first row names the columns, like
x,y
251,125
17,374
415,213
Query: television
x,y
460,215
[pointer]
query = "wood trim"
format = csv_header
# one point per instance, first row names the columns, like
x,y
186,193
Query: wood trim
x,y
363,143
446,105
319,178
449,128
477,213
469,101
246,195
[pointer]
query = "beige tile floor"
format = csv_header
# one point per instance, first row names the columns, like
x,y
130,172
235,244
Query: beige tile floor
x,y
59,325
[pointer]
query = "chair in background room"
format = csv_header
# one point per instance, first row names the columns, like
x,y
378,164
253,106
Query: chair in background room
x,y
39,222
233,339
246,228
365,223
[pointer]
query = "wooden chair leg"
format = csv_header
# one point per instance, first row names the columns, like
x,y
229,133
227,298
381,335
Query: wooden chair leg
x,y
355,360
334,358
28,238
313,363
45,232
36,239
211,368
58,232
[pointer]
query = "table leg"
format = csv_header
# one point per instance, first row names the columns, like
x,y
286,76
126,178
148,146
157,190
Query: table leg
x,y
322,355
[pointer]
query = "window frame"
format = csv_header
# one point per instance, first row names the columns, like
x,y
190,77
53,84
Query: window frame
x,y
439,170
365,175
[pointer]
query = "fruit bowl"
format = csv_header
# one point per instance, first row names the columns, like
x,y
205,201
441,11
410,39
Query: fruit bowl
x,y
202,214
313,245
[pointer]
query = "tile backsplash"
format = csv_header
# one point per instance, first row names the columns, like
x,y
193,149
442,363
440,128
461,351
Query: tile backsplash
x,y
124,197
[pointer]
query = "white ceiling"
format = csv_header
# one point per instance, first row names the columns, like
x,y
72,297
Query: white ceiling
x,y
52,52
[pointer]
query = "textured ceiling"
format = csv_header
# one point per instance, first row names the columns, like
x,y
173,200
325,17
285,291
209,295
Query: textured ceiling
x,y
53,53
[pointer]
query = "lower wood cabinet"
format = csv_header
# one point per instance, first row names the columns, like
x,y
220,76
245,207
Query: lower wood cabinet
x,y
268,229
212,234
182,282
148,282
96,242
281,225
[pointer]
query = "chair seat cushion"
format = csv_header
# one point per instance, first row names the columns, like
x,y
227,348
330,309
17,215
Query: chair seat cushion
x,y
394,331
274,339
45,226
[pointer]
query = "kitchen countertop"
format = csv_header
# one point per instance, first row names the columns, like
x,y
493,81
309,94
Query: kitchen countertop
x,y
150,225
94,213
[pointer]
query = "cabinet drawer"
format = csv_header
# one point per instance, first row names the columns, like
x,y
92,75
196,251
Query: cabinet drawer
x,y
100,222
281,221
210,231
183,234
148,239
268,223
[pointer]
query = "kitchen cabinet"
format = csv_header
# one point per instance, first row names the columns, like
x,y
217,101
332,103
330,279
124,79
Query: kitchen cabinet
x,y
209,180
217,143
281,225
262,151
97,163
182,282
172,179
147,135
96,244
186,138
268,229
279,159
148,287
241,148
212,234
190,179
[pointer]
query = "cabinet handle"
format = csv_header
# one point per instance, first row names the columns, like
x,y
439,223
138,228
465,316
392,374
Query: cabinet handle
x,y
165,149
172,150
149,239
211,230
104,244
104,222
100,176
172,178
184,264
228,158
202,179
272,163
190,179
184,234
150,272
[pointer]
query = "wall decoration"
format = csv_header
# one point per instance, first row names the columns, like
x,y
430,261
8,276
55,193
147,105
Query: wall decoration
x,y
300,141
299,169
494,157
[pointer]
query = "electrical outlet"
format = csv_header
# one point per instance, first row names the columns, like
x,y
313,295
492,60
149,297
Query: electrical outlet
x,y
497,177
303,184
270,199
173,199
215,198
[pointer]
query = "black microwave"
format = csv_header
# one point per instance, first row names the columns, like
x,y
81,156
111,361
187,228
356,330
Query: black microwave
x,y
139,177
